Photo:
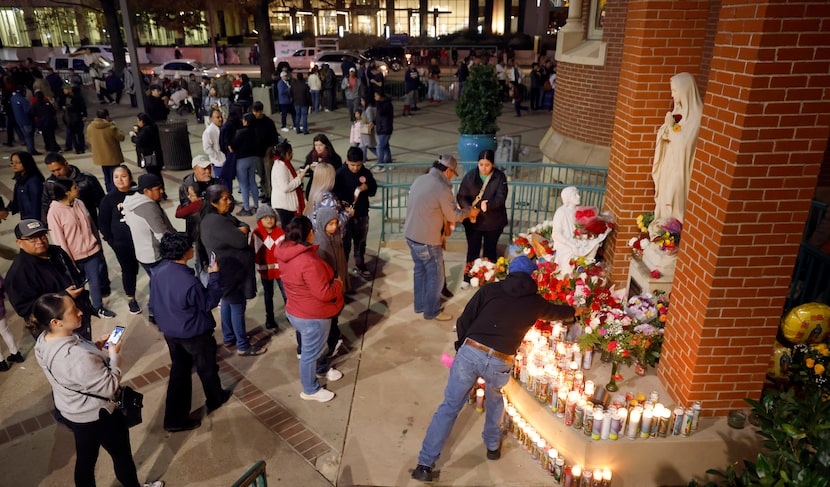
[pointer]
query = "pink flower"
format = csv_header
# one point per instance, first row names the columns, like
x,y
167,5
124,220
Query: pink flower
x,y
655,274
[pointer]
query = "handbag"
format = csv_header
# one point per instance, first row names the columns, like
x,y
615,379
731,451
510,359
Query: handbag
x,y
148,161
127,400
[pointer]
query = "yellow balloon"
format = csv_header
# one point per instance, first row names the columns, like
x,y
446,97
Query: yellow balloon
x,y
808,323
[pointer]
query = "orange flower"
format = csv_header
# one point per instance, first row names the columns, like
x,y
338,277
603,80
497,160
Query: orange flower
x,y
810,363
819,369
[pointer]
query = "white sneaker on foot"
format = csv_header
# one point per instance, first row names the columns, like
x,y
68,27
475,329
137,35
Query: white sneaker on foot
x,y
333,375
157,483
464,285
334,351
322,395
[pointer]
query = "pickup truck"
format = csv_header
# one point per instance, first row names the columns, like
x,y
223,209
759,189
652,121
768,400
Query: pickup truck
x,y
301,59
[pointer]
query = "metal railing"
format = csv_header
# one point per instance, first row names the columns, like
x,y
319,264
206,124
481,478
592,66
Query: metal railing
x,y
254,477
533,195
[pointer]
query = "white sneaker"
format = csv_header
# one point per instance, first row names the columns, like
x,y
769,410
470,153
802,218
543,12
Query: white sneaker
x,y
299,356
333,375
464,285
284,129
157,483
322,395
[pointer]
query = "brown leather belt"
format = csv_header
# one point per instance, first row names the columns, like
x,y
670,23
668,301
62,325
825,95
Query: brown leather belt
x,y
488,350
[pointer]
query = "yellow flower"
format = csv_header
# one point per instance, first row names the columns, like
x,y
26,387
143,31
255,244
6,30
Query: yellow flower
x,y
819,369
822,349
810,363
676,127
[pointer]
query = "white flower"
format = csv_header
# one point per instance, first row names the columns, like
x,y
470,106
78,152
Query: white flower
x,y
488,276
644,243
631,242
474,282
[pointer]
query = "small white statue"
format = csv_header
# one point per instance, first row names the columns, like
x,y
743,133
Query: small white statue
x,y
675,151
565,243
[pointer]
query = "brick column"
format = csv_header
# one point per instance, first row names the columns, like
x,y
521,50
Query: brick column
x,y
764,132
660,41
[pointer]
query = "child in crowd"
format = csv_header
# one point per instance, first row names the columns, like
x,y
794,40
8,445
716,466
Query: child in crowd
x,y
368,139
407,105
6,334
330,249
354,184
354,132
266,236
195,204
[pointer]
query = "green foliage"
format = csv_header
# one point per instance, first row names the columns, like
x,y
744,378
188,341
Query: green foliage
x,y
792,422
480,102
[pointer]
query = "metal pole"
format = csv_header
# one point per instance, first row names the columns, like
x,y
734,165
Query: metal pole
x,y
134,66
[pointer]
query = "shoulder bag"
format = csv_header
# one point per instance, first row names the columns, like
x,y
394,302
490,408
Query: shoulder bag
x,y
148,161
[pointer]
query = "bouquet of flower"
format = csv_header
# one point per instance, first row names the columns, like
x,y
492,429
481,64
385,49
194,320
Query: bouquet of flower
x,y
530,245
668,239
481,271
589,224
545,229
643,221
809,368
610,330
642,308
550,287
638,245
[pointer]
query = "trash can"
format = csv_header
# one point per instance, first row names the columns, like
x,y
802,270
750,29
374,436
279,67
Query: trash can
x,y
175,145
265,94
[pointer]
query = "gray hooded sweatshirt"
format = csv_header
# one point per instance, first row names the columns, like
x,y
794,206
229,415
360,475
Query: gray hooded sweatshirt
x,y
148,223
77,364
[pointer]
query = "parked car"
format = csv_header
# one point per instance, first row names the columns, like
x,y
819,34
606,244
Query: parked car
x,y
62,63
299,60
184,67
103,51
393,56
334,58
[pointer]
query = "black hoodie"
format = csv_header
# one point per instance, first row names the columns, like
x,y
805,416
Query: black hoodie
x,y
500,313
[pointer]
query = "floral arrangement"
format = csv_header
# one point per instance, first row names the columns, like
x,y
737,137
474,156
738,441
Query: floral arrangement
x,y
676,125
633,334
589,224
810,365
668,240
638,245
643,221
482,271
550,287
545,229
527,245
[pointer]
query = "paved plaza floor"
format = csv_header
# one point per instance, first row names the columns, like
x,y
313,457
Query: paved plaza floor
x,y
369,434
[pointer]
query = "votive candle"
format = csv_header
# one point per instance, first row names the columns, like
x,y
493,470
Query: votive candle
x,y
645,429
480,400
633,423
599,424
606,477
576,473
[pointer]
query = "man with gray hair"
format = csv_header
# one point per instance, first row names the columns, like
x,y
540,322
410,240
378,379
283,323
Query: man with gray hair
x,y
431,204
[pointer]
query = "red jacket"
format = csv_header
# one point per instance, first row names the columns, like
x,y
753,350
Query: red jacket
x,y
265,256
310,286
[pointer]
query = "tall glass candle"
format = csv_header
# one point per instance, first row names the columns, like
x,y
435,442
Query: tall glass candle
x,y
645,429
597,477
599,424
480,400
606,478
576,472
587,475
633,423
567,476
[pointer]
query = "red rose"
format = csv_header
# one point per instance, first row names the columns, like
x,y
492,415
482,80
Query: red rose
x,y
655,274
677,117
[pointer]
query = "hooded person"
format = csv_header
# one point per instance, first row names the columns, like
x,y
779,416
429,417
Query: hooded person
x,y
330,244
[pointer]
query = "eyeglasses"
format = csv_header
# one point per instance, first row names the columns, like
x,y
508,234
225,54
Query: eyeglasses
x,y
40,236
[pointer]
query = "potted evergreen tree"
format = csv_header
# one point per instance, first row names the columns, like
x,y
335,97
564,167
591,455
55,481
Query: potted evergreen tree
x,y
478,108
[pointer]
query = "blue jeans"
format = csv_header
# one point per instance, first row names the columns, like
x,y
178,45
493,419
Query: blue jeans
x,y
92,268
313,360
108,172
233,325
429,278
469,364
315,100
383,151
432,89
301,124
246,175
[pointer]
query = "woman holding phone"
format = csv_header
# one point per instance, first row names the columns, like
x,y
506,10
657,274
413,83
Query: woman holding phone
x,y
77,369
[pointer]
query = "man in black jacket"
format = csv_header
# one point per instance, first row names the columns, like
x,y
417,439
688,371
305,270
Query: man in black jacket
x,y
489,332
89,188
41,268
267,137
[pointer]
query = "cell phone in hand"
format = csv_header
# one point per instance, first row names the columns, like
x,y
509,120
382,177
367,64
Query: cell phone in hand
x,y
83,283
115,336
212,259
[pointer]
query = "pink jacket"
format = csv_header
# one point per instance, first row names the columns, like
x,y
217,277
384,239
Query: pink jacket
x,y
71,228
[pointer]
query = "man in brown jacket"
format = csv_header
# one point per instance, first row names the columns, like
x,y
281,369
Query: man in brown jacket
x,y
105,139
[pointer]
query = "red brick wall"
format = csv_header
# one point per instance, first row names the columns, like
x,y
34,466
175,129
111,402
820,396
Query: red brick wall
x,y
764,135
586,95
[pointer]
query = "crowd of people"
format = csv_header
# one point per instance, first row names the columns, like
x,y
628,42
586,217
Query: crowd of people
x,y
310,220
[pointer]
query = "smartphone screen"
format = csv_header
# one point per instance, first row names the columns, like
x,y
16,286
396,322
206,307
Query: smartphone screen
x,y
212,259
115,336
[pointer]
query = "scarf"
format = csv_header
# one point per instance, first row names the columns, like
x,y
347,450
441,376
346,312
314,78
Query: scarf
x,y
298,190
